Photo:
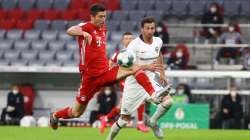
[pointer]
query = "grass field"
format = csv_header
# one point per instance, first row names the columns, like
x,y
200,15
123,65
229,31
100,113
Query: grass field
x,y
17,133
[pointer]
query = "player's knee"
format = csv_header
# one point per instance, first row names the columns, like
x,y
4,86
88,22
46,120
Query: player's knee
x,y
125,117
121,122
76,114
167,102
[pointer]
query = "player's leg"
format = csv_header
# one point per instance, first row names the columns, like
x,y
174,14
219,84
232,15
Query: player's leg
x,y
133,97
117,126
144,81
139,75
114,112
106,118
162,108
68,112
140,124
86,92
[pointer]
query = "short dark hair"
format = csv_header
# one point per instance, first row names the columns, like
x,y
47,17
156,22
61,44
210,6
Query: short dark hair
x,y
127,33
95,8
147,20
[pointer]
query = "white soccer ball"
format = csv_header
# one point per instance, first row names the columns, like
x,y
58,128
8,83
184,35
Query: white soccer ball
x,y
28,121
43,122
125,58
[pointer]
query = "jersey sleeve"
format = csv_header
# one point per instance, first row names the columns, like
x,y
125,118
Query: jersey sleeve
x,y
132,46
160,42
114,57
84,26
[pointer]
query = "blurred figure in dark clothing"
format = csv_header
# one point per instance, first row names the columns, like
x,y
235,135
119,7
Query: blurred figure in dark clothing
x,y
231,36
106,100
214,15
232,109
179,58
14,110
161,31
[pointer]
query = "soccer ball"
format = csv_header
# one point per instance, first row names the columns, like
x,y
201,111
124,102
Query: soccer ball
x,y
125,58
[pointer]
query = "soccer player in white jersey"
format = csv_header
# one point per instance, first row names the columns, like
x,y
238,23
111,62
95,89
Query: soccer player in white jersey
x,y
147,50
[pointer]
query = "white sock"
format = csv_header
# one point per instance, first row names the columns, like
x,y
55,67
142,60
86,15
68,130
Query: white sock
x,y
116,127
160,111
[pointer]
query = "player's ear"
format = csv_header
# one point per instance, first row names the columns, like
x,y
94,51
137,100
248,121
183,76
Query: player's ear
x,y
141,29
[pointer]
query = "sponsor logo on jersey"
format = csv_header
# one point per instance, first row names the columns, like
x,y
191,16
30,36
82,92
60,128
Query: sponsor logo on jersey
x,y
156,49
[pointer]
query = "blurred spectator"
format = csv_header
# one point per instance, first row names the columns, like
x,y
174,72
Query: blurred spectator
x,y
232,109
183,94
161,31
14,110
231,36
245,58
106,100
179,57
214,15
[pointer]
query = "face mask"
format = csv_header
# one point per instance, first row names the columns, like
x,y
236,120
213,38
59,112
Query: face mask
x,y
107,92
233,93
158,29
231,29
179,54
180,91
15,91
213,9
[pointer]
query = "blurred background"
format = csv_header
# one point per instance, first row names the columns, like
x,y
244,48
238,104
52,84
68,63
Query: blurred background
x,y
206,52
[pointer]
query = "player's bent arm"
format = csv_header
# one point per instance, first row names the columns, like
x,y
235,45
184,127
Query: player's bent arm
x,y
75,31
161,62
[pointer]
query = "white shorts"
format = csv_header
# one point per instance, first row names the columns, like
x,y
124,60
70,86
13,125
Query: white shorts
x,y
134,95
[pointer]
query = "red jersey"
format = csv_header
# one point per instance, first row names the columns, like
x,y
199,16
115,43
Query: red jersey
x,y
114,60
93,58
114,56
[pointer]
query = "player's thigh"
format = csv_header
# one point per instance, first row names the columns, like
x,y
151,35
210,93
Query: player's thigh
x,y
131,100
113,75
87,90
126,117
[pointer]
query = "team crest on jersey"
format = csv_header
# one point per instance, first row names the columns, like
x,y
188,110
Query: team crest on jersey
x,y
156,49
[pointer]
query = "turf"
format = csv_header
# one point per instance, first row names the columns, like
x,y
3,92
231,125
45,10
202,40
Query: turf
x,y
17,133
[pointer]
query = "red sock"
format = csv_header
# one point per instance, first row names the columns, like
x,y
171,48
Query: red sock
x,y
140,112
144,81
115,111
64,113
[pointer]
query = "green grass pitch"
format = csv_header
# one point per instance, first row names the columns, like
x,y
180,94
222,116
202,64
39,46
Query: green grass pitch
x,y
18,133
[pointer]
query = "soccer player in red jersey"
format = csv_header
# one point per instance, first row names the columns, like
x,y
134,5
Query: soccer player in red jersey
x,y
94,67
127,37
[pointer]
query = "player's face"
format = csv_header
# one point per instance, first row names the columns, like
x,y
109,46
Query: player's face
x,y
126,40
148,29
99,18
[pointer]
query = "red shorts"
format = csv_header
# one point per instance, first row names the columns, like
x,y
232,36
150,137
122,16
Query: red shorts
x,y
90,85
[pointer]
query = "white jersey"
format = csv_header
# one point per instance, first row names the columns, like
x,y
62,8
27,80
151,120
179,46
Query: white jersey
x,y
145,54
133,93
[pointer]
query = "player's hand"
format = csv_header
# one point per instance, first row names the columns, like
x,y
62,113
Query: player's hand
x,y
159,68
87,37
163,80
153,67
